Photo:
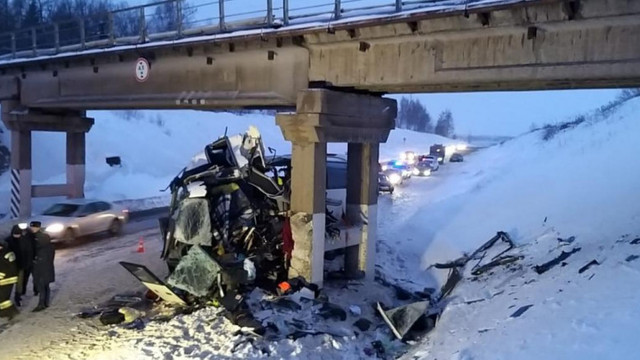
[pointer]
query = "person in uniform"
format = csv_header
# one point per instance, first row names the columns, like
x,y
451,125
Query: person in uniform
x,y
8,277
23,248
43,268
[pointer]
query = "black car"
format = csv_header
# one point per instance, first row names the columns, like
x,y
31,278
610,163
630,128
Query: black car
x,y
456,157
423,168
384,184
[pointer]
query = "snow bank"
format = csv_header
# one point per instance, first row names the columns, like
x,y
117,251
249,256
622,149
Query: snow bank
x,y
581,182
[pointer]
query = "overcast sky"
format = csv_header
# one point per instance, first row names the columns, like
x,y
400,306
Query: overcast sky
x,y
487,113
512,113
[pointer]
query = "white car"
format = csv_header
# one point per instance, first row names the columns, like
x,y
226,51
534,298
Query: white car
x,y
65,221
433,160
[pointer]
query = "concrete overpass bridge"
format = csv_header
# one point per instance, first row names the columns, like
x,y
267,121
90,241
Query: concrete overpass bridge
x,y
330,69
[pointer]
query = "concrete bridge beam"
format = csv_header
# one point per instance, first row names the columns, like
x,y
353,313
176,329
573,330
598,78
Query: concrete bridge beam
x,y
324,116
22,123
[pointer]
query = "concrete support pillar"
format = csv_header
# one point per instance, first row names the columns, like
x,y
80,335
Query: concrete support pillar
x,y
308,181
22,122
20,198
322,116
20,174
362,200
76,150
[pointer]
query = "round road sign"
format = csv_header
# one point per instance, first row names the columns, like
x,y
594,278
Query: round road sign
x,y
142,70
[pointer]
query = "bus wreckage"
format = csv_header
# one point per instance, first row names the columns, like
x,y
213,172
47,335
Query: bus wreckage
x,y
228,229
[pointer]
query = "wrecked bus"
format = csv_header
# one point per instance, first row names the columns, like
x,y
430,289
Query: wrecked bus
x,y
228,227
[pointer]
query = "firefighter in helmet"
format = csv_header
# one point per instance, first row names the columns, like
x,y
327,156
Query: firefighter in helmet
x,y
8,277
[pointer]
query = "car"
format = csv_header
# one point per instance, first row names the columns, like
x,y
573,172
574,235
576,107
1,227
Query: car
x,y
384,183
423,168
456,157
394,175
433,161
67,220
403,168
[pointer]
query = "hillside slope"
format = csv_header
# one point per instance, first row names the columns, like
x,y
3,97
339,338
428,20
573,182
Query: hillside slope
x,y
581,182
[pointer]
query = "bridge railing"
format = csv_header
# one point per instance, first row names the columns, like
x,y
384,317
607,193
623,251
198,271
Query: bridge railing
x,y
177,19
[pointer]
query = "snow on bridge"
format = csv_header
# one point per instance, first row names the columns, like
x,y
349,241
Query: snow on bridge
x,y
100,35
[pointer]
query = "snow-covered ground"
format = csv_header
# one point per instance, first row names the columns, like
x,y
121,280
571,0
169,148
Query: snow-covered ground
x,y
155,146
582,182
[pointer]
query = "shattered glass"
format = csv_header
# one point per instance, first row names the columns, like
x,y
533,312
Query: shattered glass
x,y
195,273
193,224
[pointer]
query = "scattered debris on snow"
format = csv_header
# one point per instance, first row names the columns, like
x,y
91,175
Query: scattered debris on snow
x,y
541,269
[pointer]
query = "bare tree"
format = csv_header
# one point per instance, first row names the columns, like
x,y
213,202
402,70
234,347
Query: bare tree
x,y
413,115
168,15
444,126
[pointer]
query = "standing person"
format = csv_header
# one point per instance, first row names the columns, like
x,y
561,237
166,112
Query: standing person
x,y
22,246
8,277
43,270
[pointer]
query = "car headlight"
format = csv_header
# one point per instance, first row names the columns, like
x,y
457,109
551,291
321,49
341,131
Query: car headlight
x,y
394,179
426,173
384,167
22,226
440,159
416,172
54,228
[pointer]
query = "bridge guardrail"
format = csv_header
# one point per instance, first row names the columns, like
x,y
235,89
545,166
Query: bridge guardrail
x,y
176,19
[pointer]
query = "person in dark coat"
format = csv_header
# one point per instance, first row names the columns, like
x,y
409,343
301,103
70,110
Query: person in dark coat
x,y
43,269
8,277
22,246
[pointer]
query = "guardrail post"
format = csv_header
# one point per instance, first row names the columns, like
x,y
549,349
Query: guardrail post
x,y
83,40
111,28
13,44
34,42
179,18
398,5
143,26
337,11
270,12
221,14
285,12
56,37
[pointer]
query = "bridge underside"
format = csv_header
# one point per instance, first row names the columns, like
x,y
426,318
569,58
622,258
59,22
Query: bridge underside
x,y
546,45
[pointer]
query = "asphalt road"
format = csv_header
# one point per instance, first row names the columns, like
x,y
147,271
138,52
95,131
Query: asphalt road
x,y
144,220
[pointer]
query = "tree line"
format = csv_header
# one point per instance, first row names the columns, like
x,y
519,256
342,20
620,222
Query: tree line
x,y
20,16
413,115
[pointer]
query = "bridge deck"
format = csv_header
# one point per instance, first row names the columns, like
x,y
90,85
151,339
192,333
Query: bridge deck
x,y
244,28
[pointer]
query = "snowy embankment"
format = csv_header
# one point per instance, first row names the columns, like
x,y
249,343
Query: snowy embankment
x,y
581,182
155,145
